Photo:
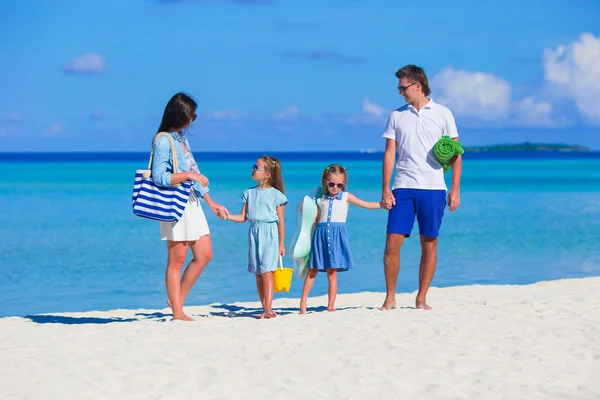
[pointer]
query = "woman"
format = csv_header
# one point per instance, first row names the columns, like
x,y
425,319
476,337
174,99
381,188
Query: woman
x,y
191,231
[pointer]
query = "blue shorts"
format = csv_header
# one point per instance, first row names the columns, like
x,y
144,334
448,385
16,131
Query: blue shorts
x,y
427,205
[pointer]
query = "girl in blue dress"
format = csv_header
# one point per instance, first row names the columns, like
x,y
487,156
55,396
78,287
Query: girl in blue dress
x,y
264,208
330,248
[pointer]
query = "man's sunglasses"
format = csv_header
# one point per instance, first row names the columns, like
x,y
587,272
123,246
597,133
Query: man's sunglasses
x,y
338,185
403,88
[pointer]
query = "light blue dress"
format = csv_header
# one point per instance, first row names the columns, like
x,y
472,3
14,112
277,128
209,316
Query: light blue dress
x,y
263,234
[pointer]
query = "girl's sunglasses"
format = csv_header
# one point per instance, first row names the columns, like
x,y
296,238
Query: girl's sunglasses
x,y
255,168
338,185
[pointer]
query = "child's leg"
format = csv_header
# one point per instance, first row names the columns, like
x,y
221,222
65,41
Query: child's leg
x,y
259,289
308,284
332,292
268,290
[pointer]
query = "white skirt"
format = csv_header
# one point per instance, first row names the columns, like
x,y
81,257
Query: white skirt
x,y
191,226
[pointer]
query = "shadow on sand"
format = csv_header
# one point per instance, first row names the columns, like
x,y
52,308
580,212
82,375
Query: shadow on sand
x,y
218,310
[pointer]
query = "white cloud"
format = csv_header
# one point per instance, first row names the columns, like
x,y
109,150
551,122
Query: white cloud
x,y
97,115
14,118
373,109
478,98
222,114
530,113
290,112
472,94
7,130
54,129
89,63
290,118
574,70
10,129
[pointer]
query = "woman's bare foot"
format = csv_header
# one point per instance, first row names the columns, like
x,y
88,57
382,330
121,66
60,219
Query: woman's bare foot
x,y
388,304
182,317
331,309
421,305
267,315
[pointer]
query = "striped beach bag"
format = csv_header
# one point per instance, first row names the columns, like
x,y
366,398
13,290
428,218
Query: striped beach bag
x,y
164,204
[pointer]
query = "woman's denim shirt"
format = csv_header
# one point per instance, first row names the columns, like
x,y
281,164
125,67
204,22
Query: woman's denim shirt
x,y
162,167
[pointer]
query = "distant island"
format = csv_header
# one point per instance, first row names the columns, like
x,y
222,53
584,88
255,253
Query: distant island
x,y
527,146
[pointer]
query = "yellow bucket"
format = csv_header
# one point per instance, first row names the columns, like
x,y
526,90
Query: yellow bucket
x,y
282,277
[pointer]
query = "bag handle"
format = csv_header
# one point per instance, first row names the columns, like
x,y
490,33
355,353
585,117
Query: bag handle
x,y
173,151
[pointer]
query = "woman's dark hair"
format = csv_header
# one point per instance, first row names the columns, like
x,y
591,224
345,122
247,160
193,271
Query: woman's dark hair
x,y
179,112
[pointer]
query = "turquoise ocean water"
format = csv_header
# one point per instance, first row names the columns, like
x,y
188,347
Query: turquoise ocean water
x,y
69,240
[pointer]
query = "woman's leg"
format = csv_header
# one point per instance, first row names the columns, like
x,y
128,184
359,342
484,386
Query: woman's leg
x,y
202,254
177,252
333,287
308,284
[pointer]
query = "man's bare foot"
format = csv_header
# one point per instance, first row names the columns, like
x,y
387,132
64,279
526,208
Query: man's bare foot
x,y
388,304
421,305
331,309
302,308
182,317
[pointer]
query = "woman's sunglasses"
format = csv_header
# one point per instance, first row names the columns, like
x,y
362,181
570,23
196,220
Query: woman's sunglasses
x,y
338,185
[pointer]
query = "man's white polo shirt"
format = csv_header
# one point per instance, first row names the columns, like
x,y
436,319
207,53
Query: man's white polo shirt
x,y
415,133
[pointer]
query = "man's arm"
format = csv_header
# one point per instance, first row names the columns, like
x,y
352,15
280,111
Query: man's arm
x,y
389,158
454,195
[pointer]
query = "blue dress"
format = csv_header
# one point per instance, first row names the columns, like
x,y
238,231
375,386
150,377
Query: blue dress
x,y
330,247
263,234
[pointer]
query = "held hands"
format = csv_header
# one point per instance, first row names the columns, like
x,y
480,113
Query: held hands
x,y
219,210
387,199
222,213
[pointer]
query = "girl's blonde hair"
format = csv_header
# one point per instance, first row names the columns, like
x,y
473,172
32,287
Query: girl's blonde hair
x,y
273,166
334,169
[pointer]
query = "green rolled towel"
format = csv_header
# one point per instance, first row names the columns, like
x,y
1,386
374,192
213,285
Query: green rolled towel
x,y
445,149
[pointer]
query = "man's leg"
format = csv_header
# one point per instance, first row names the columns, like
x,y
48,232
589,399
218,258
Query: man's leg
x,y
430,206
400,222
426,269
391,268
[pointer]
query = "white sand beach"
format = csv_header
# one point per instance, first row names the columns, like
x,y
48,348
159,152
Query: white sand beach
x,y
539,341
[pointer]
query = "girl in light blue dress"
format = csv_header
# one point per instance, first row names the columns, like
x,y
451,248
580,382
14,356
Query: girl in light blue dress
x,y
330,248
264,208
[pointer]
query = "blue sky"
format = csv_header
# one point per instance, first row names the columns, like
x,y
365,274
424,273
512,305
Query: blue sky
x,y
293,75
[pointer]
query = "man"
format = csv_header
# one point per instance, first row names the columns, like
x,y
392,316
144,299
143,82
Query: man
x,y
419,188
